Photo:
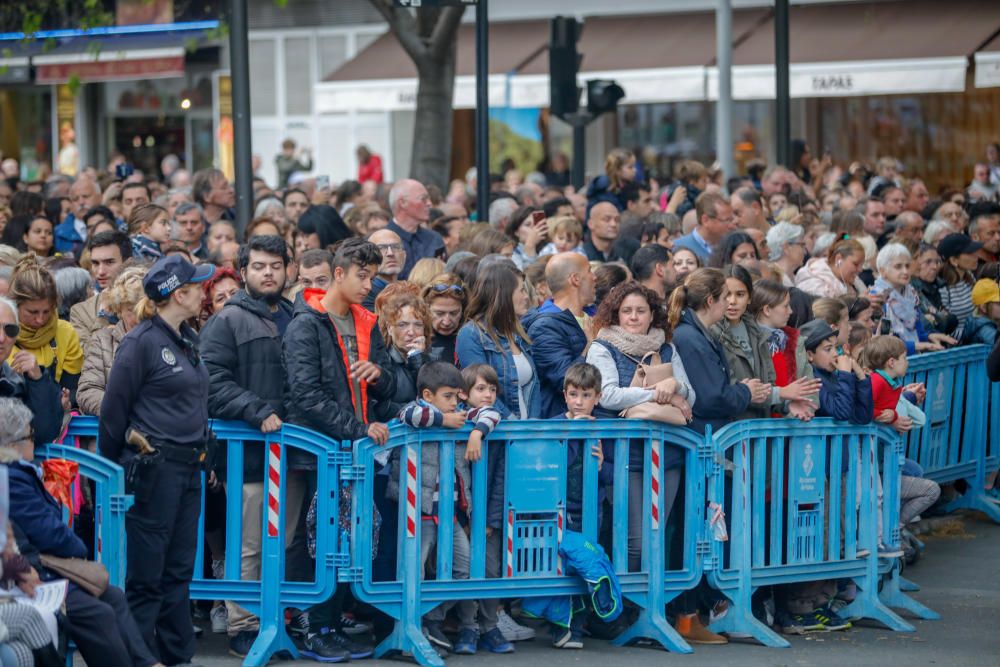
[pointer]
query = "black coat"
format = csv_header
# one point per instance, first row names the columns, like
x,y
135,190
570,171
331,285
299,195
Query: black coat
x,y
241,348
42,396
319,391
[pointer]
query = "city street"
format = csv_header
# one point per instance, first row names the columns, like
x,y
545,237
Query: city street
x,y
960,579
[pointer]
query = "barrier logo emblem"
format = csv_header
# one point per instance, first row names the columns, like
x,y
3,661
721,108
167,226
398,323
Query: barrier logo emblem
x,y
807,461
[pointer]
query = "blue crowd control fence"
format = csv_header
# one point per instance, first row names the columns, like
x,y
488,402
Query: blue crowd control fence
x,y
961,440
268,596
534,507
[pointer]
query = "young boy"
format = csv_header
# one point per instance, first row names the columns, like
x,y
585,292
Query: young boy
x,y
439,387
886,357
981,328
567,234
846,393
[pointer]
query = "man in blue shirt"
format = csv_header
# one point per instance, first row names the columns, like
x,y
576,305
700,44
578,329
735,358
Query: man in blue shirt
x,y
411,207
715,220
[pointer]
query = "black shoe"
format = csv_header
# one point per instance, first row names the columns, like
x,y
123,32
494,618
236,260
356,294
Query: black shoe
x,y
324,648
241,643
356,650
298,626
436,637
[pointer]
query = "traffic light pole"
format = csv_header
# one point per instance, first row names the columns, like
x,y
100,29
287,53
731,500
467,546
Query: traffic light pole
x,y
482,113
579,121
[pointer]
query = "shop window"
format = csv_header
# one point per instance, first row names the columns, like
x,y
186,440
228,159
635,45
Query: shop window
x,y
298,77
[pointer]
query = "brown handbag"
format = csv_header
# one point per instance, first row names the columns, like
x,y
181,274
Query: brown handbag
x,y
647,375
87,574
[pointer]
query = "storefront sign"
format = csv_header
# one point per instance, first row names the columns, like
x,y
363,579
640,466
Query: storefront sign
x,y
111,70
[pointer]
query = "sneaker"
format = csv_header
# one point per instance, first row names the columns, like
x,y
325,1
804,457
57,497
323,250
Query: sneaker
x,y
836,605
560,635
468,640
830,619
798,624
241,642
351,626
324,648
718,611
689,627
511,629
298,626
494,642
436,637
356,650
219,569
885,551
220,619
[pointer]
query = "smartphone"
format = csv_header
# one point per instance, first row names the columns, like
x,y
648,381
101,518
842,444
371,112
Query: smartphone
x,y
123,171
537,218
322,182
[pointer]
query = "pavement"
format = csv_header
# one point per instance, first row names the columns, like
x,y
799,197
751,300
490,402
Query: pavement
x,y
959,576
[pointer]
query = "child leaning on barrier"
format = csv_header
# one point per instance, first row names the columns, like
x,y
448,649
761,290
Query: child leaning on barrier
x,y
439,386
886,357
846,393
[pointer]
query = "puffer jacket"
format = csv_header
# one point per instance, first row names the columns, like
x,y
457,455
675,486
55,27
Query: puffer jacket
x,y
87,319
405,369
817,278
97,367
320,395
557,342
599,191
743,365
979,331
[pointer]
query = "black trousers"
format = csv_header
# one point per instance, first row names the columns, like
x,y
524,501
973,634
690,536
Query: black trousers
x,y
162,535
104,630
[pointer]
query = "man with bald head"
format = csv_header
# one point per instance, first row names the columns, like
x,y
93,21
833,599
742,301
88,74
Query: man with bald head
x,y
411,208
559,329
393,260
71,234
604,224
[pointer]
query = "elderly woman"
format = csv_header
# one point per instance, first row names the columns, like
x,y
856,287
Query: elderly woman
x,y
926,279
102,627
787,250
446,299
836,274
119,300
74,285
405,325
937,230
901,307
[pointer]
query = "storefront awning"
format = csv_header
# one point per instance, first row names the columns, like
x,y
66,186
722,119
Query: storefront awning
x,y
988,65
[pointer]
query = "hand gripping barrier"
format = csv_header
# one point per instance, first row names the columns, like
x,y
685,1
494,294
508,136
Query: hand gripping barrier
x,y
803,502
534,513
962,437
267,596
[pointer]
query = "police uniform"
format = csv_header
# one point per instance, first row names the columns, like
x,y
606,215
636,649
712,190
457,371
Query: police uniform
x,y
159,387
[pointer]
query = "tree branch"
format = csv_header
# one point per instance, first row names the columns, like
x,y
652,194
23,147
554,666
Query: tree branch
x,y
403,25
444,32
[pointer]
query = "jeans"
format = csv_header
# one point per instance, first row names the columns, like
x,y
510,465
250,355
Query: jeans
x,y
105,631
460,570
488,608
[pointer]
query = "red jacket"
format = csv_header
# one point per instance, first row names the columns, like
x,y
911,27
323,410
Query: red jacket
x,y
886,397
371,170
785,368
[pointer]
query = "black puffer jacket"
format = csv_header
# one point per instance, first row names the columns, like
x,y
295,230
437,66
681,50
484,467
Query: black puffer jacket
x,y
405,369
319,391
241,348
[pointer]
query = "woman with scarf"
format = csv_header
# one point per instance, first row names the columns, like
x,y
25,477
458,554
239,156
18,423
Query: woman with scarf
x,y
928,283
901,308
53,342
630,325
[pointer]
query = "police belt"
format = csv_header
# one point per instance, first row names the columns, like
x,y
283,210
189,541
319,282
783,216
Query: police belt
x,y
178,454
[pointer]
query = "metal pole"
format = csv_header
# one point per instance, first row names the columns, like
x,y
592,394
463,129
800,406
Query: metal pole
x,y
579,150
239,65
783,111
724,107
482,112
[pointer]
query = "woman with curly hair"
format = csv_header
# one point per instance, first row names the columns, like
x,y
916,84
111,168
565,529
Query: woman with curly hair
x,y
405,324
218,290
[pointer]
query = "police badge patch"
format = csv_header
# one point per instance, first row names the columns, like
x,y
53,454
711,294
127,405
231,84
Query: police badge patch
x,y
168,357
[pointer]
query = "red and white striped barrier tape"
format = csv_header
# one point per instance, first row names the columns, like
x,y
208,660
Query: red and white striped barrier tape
x,y
273,488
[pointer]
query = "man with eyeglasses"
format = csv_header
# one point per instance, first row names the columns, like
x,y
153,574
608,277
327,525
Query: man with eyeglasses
x,y
715,220
411,208
393,260
23,379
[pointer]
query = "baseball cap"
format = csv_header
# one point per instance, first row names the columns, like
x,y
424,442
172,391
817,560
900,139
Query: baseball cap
x,y
985,291
954,245
815,332
171,273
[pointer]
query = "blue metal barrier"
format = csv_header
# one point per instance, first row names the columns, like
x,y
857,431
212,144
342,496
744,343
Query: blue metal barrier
x,y
960,440
803,503
534,503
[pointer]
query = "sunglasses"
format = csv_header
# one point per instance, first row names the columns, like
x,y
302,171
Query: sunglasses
x,y
441,287
11,330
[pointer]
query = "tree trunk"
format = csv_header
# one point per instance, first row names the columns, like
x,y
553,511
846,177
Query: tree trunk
x,y
431,160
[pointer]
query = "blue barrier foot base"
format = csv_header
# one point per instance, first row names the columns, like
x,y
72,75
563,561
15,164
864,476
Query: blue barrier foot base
x,y
270,640
868,605
976,501
408,638
907,585
892,596
740,620
653,626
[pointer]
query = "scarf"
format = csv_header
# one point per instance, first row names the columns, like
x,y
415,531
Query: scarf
x,y
901,309
33,339
777,339
634,345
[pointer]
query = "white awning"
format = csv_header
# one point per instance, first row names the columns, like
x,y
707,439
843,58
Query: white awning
x,y
988,69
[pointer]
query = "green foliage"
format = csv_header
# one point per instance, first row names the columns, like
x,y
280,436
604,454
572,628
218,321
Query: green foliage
x,y
505,143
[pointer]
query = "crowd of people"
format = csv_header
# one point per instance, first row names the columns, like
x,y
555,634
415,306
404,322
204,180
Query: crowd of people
x,y
789,293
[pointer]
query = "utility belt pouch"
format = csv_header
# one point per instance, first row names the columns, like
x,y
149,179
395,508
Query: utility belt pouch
x,y
140,473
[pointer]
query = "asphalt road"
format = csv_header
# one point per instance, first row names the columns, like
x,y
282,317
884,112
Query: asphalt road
x,y
959,576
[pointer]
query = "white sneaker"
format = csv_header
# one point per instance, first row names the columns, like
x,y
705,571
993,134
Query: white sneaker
x,y
220,619
511,630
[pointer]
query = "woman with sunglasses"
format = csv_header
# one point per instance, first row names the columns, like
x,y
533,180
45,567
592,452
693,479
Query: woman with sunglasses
x,y
445,298
22,378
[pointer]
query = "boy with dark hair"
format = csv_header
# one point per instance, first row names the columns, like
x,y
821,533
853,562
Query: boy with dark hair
x,y
335,361
846,393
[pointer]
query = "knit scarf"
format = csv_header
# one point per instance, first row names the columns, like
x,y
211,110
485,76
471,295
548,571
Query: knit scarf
x,y
634,345
901,309
33,339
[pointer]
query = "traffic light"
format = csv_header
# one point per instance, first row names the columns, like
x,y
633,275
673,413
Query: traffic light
x,y
564,62
603,95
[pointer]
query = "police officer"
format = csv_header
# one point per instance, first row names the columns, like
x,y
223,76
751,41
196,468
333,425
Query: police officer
x,y
154,421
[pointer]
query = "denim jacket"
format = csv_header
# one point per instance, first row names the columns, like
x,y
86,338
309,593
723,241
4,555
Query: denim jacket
x,y
474,346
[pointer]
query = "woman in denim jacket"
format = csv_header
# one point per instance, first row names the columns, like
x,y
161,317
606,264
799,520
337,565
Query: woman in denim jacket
x,y
494,336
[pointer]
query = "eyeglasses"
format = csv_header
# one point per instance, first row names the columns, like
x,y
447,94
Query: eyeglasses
x,y
390,247
27,437
442,287
403,326
11,330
